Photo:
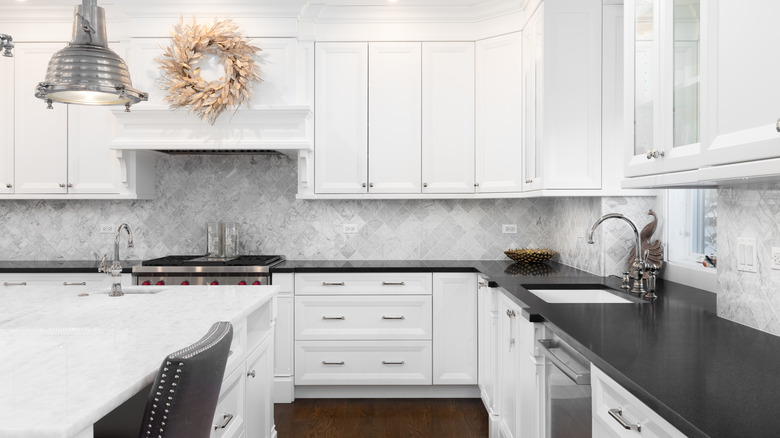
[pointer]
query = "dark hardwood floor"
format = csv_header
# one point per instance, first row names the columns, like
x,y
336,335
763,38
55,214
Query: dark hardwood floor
x,y
381,418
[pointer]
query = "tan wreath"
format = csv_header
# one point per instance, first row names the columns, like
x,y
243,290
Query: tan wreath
x,y
186,88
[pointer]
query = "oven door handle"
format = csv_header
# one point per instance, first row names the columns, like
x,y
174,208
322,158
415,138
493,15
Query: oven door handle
x,y
579,378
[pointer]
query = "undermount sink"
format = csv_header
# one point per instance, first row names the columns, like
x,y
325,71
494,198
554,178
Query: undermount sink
x,y
580,296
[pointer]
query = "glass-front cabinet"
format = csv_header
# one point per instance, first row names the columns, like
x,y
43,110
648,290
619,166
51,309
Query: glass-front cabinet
x,y
663,79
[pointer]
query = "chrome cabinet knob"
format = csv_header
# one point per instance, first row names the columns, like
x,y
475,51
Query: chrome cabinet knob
x,y
777,126
476,184
62,184
371,184
364,185
655,153
425,184
9,185
70,184
529,181
251,374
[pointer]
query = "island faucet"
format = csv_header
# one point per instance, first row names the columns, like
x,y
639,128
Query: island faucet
x,y
639,264
115,270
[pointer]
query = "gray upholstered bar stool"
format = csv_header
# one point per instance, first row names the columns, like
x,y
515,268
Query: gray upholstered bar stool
x,y
185,392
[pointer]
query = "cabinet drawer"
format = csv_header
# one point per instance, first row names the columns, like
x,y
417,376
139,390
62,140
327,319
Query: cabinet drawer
x,y
363,363
413,283
229,415
607,394
363,317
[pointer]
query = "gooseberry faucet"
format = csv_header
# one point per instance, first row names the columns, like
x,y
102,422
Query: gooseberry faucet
x,y
639,264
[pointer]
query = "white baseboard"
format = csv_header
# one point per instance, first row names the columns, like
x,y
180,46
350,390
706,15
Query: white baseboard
x,y
388,391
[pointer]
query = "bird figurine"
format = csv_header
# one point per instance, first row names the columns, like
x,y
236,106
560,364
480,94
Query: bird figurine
x,y
656,250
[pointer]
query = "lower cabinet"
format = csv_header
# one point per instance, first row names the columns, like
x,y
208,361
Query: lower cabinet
x,y
385,329
509,370
244,408
617,413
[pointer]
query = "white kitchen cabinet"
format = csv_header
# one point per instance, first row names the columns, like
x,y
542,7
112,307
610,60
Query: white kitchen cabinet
x,y
259,394
740,115
7,126
448,117
283,339
394,117
63,151
487,363
608,396
341,118
499,112
663,77
95,281
41,141
454,329
562,85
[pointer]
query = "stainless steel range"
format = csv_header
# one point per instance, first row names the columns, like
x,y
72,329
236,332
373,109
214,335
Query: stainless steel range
x,y
203,270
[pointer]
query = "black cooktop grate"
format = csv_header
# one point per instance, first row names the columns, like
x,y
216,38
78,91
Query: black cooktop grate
x,y
202,260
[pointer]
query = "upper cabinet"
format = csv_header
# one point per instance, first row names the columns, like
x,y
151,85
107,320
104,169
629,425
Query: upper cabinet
x,y
63,151
663,75
741,115
562,85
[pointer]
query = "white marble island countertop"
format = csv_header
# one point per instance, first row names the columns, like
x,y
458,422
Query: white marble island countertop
x,y
67,360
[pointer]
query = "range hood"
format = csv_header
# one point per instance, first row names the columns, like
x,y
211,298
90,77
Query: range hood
x,y
265,129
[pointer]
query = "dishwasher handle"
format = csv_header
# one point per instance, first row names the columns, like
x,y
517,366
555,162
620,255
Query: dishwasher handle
x,y
579,378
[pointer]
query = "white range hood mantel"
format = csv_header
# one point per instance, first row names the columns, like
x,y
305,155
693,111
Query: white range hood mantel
x,y
283,128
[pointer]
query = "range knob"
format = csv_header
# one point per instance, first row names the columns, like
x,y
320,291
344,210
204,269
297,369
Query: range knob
x,y
146,283
185,283
242,283
214,283
160,283
256,283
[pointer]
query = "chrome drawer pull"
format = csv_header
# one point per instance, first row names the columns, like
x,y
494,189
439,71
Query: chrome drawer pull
x,y
333,363
226,419
392,363
332,317
393,317
325,283
384,283
81,283
23,283
617,414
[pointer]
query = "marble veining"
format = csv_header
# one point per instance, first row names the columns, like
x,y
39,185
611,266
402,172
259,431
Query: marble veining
x,y
752,299
259,193
79,357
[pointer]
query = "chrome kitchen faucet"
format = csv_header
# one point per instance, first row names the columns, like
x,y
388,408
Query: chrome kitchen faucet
x,y
115,270
639,265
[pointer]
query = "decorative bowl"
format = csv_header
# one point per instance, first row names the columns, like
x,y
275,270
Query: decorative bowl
x,y
530,255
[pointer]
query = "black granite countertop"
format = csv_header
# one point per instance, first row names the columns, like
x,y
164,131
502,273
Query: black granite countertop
x,y
58,266
706,375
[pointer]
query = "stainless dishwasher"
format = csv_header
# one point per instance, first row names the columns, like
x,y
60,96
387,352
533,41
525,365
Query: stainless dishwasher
x,y
567,402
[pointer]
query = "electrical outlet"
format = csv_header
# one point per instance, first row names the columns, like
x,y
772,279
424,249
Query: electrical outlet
x,y
349,228
106,229
746,254
775,257
509,228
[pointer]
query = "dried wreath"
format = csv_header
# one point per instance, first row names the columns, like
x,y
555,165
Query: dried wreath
x,y
186,88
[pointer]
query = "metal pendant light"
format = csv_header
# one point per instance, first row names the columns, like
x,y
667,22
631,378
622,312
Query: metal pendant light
x,y
87,72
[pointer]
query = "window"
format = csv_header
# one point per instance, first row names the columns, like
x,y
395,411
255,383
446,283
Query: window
x,y
692,227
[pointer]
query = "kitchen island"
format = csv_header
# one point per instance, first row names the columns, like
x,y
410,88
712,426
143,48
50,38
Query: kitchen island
x,y
69,356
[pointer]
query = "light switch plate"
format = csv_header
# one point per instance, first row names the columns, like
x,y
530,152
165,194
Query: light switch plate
x,y
775,257
746,254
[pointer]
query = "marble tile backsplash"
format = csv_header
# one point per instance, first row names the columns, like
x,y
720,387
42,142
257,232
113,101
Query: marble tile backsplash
x,y
259,193
752,299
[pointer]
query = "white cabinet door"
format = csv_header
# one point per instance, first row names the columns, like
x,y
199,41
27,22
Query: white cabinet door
x,y
571,94
508,361
7,126
259,407
487,307
741,112
662,86
40,134
448,117
499,113
92,166
533,81
454,329
395,118
341,118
